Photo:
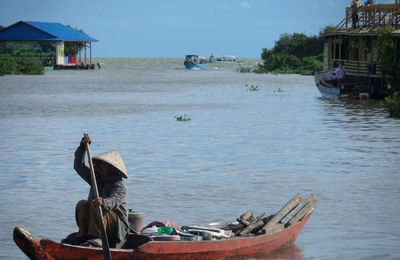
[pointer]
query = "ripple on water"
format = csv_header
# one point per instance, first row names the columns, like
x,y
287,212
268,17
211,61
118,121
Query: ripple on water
x,y
241,150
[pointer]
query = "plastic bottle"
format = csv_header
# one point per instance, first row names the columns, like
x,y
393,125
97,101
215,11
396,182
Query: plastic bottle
x,y
151,231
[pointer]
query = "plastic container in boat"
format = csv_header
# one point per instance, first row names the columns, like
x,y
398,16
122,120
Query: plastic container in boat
x,y
136,220
166,238
165,230
150,231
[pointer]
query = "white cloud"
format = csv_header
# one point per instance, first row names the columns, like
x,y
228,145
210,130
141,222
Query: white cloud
x,y
245,5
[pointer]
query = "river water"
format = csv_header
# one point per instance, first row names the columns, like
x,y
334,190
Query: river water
x,y
241,150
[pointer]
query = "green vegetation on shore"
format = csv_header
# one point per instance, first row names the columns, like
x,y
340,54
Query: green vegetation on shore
x,y
392,103
390,68
73,48
21,59
294,53
12,65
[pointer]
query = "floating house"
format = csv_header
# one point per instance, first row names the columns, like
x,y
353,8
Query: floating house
x,y
65,46
353,43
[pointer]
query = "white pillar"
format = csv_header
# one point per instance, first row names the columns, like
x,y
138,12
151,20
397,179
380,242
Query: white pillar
x,y
60,53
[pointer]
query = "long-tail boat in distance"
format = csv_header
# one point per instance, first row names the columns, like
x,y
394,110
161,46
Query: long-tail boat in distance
x,y
193,61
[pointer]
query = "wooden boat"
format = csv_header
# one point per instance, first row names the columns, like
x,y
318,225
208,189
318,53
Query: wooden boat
x,y
349,89
253,236
212,249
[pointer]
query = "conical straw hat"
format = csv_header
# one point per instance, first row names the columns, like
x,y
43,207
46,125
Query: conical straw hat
x,y
115,159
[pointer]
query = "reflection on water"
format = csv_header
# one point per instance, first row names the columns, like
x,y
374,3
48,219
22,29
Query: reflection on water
x,y
290,252
241,150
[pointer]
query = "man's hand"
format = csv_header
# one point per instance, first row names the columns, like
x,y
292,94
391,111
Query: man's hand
x,y
98,202
85,140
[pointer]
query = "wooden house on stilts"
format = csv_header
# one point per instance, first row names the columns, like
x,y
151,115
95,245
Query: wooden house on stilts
x,y
57,45
353,44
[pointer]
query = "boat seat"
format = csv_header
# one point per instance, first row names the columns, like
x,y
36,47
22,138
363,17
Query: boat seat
x,y
134,241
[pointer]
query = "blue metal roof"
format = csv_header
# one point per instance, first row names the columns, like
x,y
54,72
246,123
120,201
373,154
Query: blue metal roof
x,y
41,31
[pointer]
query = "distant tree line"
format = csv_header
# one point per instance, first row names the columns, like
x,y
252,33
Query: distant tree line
x,y
294,53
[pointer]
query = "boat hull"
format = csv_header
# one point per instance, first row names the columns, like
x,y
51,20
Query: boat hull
x,y
328,88
215,249
328,92
191,65
335,93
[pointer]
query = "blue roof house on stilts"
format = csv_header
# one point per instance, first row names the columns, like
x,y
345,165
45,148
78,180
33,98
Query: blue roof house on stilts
x,y
65,43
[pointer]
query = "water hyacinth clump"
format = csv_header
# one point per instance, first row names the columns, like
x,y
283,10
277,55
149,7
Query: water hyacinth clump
x,y
252,87
245,69
182,118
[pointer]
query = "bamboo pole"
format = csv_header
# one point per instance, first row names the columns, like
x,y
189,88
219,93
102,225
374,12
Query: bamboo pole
x,y
104,240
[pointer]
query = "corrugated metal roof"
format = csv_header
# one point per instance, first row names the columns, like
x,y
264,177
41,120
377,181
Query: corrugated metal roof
x,y
42,31
361,32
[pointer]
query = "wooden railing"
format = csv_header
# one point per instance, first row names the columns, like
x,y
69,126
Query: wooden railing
x,y
372,16
358,68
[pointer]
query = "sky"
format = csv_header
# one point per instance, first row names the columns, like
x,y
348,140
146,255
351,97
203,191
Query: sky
x,y
174,28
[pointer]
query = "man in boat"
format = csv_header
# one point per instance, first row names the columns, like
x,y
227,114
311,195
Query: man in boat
x,y
340,73
110,171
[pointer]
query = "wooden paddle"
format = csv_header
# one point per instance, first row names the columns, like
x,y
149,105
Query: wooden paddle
x,y
104,240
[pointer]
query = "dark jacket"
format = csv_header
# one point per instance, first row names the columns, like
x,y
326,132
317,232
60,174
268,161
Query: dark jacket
x,y
113,194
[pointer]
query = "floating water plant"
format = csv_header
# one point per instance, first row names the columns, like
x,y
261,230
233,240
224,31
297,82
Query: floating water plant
x,y
182,118
278,90
245,69
252,87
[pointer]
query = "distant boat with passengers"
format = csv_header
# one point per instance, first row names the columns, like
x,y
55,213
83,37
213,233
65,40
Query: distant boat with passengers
x,y
223,58
193,61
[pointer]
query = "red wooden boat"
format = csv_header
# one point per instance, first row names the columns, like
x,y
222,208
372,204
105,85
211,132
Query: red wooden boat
x,y
213,249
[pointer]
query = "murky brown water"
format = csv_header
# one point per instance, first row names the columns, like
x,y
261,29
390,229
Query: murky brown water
x,y
241,150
